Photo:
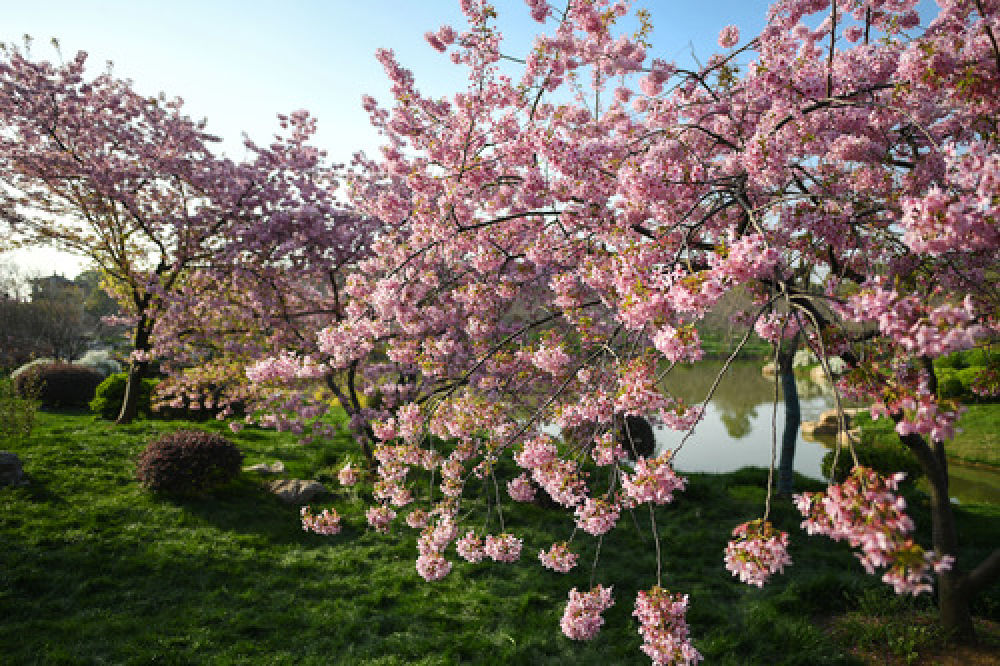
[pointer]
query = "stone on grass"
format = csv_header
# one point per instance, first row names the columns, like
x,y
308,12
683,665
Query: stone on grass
x,y
296,491
11,470
276,467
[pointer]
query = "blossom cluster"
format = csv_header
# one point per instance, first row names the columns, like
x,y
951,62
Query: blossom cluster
x,y
865,511
663,627
503,547
558,558
379,517
326,522
654,480
520,489
757,552
597,516
581,619
470,548
607,450
560,478
431,564
348,476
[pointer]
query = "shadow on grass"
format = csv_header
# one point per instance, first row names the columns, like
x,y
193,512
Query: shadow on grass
x,y
36,490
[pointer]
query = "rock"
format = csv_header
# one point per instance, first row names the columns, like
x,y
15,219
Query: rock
x,y
816,430
767,370
296,491
11,470
817,375
276,467
828,418
837,367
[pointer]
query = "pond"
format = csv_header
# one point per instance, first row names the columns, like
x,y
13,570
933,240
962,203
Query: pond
x,y
736,429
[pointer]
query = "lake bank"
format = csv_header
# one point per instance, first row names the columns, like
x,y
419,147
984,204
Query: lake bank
x,y
737,431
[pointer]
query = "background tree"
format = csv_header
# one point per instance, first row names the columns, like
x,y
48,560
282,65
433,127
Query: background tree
x,y
44,317
62,328
130,182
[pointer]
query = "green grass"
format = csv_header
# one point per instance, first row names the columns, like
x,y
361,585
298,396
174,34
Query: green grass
x,y
94,569
979,441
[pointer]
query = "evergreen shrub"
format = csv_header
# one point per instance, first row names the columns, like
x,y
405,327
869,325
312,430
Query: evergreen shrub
x,y
111,392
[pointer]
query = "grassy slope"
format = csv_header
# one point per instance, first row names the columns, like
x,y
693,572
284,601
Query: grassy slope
x,y
979,441
93,568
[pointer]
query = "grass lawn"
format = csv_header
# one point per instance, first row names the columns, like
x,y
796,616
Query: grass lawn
x,y
979,441
94,569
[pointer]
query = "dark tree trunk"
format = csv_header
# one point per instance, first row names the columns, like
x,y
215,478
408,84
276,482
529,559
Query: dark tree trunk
x,y
955,589
953,592
793,418
351,404
137,371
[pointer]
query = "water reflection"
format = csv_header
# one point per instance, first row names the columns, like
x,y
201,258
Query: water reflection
x,y
736,430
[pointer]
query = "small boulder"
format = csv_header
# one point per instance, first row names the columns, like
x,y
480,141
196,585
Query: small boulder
x,y
818,375
296,491
829,419
11,470
276,467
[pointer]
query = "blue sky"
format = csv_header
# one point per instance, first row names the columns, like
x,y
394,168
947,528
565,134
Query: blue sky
x,y
239,63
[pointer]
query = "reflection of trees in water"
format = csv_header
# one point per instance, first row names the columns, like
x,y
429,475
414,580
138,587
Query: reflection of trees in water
x,y
739,425
741,390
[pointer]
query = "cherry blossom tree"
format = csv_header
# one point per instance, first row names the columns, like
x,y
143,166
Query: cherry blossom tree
x,y
132,183
553,234
268,292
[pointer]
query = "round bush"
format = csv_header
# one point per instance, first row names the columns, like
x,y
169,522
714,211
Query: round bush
x,y
38,362
980,357
111,392
951,388
188,462
59,384
955,361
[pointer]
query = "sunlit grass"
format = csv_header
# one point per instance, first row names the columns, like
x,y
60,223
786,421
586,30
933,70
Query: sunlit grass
x,y
977,442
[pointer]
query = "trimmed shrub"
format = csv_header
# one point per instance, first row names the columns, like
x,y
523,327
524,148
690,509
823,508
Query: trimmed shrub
x,y
59,384
38,362
188,462
980,356
951,387
111,392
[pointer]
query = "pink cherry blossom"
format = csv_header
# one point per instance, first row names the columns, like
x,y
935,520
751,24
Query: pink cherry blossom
x,y
729,37
581,619
757,552
663,627
326,522
558,557
502,547
348,476
379,517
